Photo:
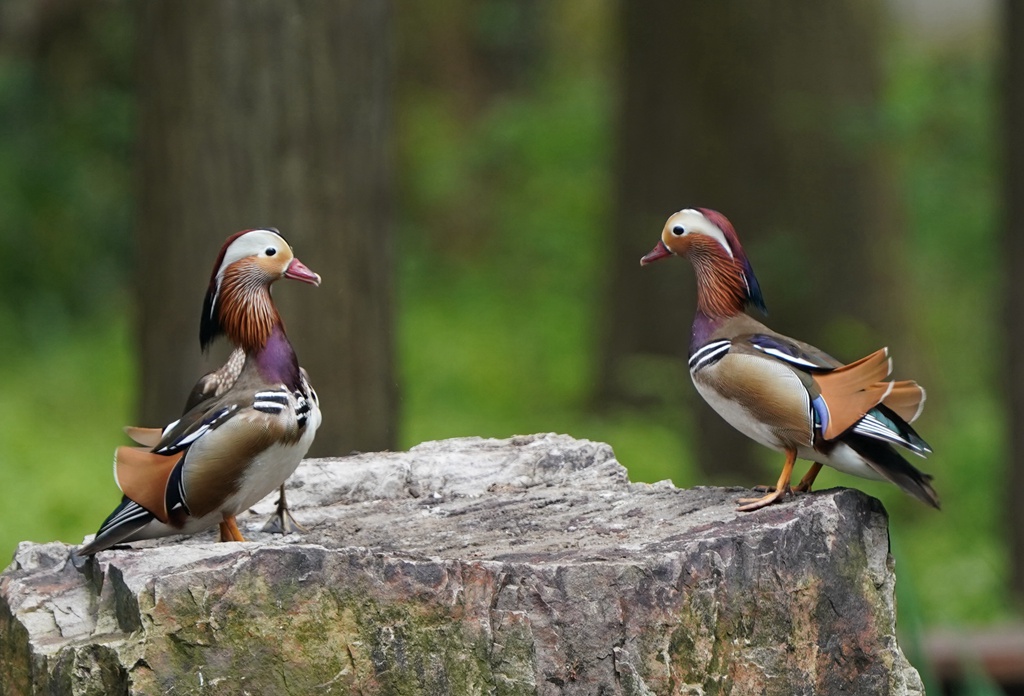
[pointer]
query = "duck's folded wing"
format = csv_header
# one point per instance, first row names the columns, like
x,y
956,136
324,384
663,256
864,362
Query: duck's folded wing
x,y
153,478
853,395
193,425
799,355
210,386
217,463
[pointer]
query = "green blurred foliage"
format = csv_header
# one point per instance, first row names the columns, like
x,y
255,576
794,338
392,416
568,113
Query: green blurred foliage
x,y
66,114
944,119
505,172
505,215
61,410
66,119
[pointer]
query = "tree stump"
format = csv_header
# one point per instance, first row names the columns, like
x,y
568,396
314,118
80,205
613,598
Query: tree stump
x,y
471,566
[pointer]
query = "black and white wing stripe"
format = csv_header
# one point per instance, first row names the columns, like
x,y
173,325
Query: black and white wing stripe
x,y
789,353
309,400
174,442
709,354
280,400
126,519
302,409
273,401
881,423
127,513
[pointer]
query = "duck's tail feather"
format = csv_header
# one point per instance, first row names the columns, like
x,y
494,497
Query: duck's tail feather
x,y
884,459
126,519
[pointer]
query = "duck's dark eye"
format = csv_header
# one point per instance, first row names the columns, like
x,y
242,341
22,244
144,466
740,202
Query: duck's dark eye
x,y
270,251
678,230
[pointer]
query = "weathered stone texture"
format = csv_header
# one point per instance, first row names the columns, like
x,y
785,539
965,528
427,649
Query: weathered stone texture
x,y
472,566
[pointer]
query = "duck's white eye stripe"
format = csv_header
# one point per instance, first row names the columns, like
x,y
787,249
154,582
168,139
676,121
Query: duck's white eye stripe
x,y
252,243
695,222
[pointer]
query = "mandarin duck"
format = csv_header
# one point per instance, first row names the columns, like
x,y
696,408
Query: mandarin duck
x,y
210,386
249,424
783,393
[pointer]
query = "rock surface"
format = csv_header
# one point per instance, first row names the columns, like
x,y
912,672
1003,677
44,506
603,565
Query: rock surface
x,y
471,566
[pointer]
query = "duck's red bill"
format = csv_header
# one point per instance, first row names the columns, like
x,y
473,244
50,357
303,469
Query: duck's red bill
x,y
298,271
658,252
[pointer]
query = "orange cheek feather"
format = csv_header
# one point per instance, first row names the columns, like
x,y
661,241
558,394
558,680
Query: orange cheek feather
x,y
274,266
680,246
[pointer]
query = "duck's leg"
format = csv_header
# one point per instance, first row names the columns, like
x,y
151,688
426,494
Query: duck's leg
x,y
282,522
803,487
781,488
805,483
229,530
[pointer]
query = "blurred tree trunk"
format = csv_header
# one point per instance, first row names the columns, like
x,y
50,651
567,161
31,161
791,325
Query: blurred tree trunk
x,y
271,113
1013,231
768,113
457,59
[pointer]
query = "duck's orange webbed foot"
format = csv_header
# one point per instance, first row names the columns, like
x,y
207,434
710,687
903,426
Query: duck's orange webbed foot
x,y
751,504
781,488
